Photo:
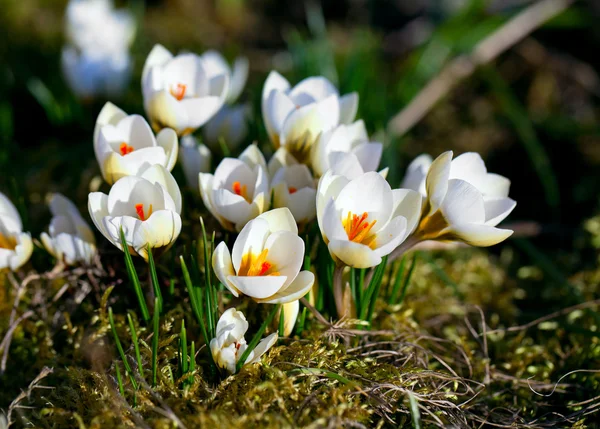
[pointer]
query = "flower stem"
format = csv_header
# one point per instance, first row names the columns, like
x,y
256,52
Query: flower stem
x,y
338,290
399,251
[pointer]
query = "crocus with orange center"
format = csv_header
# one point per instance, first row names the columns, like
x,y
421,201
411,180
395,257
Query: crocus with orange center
x,y
363,219
239,189
293,187
147,207
266,260
126,146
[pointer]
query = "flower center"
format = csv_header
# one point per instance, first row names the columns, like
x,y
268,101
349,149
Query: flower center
x,y
178,91
292,190
7,242
241,190
139,208
125,149
357,228
253,265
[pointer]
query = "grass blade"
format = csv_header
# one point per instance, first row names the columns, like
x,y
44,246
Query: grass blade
x,y
281,322
411,270
120,380
370,296
154,279
397,281
183,354
155,333
128,370
257,337
136,346
133,278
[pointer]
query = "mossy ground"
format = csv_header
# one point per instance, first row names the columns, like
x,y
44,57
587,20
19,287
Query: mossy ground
x,y
430,348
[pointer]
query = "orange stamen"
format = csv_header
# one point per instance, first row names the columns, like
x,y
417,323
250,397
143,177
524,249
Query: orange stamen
x,y
139,208
125,149
292,190
357,228
178,91
239,189
256,265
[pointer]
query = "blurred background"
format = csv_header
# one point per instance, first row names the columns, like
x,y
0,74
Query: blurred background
x,y
532,113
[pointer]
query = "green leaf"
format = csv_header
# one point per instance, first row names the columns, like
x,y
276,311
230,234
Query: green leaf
x,y
155,333
154,279
136,346
133,278
120,349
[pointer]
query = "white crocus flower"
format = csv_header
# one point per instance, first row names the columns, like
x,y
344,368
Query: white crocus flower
x,y
71,240
463,201
182,92
97,60
294,188
290,314
126,146
266,260
238,74
229,344
147,207
195,158
229,124
295,117
363,219
16,246
239,189
343,139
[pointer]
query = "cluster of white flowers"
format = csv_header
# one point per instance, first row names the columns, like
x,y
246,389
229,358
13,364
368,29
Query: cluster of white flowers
x,y
96,60
324,166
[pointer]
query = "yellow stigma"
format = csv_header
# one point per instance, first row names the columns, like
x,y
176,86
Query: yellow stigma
x,y
357,228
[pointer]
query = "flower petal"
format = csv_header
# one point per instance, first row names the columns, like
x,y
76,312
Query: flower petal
x,y
160,230
251,239
258,287
463,203
239,75
167,139
280,219
416,174
262,347
436,182
297,289
479,235
407,203
223,268
354,254
496,210
348,107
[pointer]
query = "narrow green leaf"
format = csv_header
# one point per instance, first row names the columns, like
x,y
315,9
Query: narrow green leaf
x,y
409,275
155,333
133,278
183,353
154,279
120,380
136,346
397,281
301,322
257,337
192,361
375,286
120,348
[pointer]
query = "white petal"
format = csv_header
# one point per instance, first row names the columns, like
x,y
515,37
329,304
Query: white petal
x,y
348,107
98,209
313,89
496,210
290,314
281,158
223,268
369,155
280,220
158,56
160,230
285,253
369,193
251,239
200,110
253,157
354,254
233,323
8,210
159,174
239,75
332,227
302,205
109,115
167,139
276,108
306,123
463,203
195,158
22,251
416,173
480,235
262,347
390,236
407,203
468,167
234,208
436,182
494,185
165,111
258,287
297,289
